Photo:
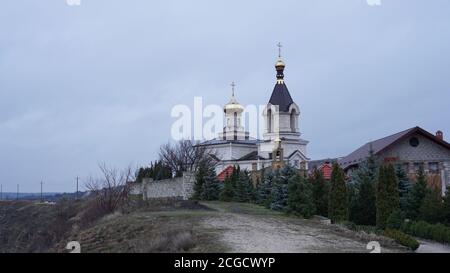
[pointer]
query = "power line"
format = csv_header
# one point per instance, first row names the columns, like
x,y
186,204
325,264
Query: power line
x,y
77,188
42,200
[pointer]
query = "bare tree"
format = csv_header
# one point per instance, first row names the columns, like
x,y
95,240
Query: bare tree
x,y
185,155
112,189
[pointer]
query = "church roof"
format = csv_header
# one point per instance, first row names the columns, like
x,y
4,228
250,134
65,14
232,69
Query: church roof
x,y
251,156
281,97
225,173
315,164
218,141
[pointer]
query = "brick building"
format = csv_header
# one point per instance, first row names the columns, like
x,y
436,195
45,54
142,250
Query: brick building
x,y
414,148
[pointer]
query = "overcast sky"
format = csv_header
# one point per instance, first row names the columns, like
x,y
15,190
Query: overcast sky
x,y
96,83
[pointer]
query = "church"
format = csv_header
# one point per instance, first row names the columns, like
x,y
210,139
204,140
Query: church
x,y
281,142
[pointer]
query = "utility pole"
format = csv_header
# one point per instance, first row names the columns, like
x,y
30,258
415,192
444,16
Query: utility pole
x,y
77,188
42,200
17,196
1,192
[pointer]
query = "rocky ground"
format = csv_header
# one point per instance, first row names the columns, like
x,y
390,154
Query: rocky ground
x,y
432,247
247,228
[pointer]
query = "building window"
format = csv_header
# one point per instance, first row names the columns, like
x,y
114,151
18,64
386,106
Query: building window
x,y
269,120
293,127
414,142
406,167
303,165
433,167
418,166
270,155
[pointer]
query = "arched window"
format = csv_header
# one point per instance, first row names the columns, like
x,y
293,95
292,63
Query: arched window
x,y
269,121
293,119
235,120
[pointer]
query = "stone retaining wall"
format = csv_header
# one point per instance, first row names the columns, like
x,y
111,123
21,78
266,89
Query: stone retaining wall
x,y
180,187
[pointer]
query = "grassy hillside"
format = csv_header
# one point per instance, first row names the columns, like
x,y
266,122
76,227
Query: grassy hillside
x,y
160,226
171,226
32,227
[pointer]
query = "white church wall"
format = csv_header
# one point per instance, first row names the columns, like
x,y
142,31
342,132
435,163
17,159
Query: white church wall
x,y
265,148
221,151
238,151
285,122
233,151
245,166
295,161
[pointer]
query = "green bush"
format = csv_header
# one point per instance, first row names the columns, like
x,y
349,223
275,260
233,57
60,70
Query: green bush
x,y
358,228
402,238
395,220
437,232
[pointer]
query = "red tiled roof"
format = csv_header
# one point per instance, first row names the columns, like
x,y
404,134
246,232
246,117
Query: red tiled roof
x,y
225,173
326,170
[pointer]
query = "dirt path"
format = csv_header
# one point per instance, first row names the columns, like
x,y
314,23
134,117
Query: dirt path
x,y
248,231
432,247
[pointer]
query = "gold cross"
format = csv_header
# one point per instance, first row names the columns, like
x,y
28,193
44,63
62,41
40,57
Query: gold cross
x,y
232,88
279,49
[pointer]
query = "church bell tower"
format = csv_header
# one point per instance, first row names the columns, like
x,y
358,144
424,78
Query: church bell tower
x,y
281,118
234,129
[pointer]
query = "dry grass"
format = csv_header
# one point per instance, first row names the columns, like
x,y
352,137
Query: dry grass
x,y
31,227
175,240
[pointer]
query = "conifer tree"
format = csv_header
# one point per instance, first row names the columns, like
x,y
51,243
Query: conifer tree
x,y
200,178
387,199
353,202
432,208
366,203
235,176
300,197
395,220
244,188
404,186
227,193
417,195
264,189
320,189
338,200
372,165
140,174
362,191
363,203
446,207
279,194
211,187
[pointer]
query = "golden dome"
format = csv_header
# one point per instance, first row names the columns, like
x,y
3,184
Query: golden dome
x,y
280,63
233,105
